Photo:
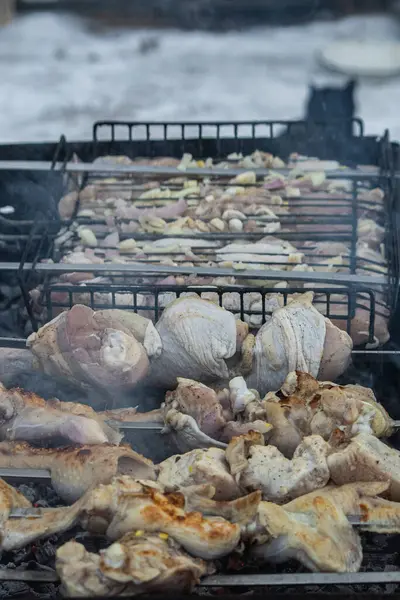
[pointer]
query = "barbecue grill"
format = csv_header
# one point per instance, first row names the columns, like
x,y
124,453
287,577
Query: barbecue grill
x,y
361,286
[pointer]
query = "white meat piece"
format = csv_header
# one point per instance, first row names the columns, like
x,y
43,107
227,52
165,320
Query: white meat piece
x,y
366,458
321,537
136,564
281,479
197,338
293,339
199,467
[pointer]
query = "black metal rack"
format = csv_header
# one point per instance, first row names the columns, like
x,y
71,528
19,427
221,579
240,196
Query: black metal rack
x,y
217,140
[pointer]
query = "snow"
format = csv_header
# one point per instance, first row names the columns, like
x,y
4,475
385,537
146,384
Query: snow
x,y
59,76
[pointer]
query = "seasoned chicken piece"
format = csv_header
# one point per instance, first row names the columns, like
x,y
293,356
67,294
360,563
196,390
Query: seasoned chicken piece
x,y
10,498
17,533
198,401
348,496
304,406
281,479
103,349
201,499
321,537
366,458
198,467
127,505
138,563
26,416
293,339
197,337
75,470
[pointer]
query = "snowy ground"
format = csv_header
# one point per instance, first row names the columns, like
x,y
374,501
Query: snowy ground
x,y
59,77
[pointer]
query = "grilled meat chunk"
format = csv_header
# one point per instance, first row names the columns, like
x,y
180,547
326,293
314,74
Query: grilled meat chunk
x,y
25,416
138,563
258,467
366,458
75,470
199,467
321,537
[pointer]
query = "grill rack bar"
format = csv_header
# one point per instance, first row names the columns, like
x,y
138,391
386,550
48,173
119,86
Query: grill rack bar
x,y
315,277
71,167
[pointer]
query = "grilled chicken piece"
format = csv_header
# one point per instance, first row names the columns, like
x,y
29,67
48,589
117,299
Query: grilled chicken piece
x,y
138,563
17,533
75,470
197,337
294,339
126,505
366,458
10,498
200,498
197,416
200,402
280,479
321,537
304,406
104,349
26,416
199,467
348,496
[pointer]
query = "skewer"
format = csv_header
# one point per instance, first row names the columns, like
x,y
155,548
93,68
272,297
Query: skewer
x,y
237,580
36,513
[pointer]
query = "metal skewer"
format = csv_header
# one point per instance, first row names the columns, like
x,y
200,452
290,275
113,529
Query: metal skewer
x,y
237,580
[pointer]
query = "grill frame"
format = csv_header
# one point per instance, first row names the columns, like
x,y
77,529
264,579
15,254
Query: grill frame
x,y
323,139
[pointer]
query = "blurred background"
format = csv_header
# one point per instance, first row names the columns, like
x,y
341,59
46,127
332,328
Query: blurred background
x,y
65,64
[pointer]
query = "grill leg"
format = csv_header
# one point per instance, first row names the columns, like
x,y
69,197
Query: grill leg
x,y
7,10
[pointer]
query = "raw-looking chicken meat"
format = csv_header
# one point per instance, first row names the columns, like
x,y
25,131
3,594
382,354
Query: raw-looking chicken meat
x,y
259,467
103,349
25,416
138,563
294,339
74,470
198,338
